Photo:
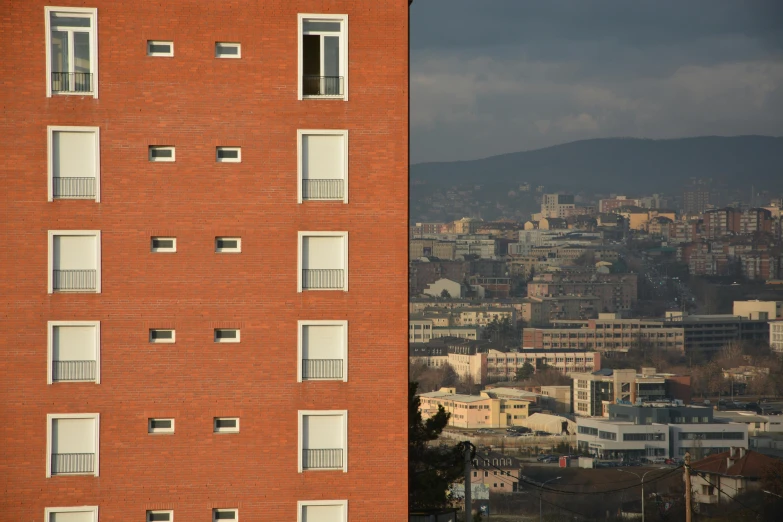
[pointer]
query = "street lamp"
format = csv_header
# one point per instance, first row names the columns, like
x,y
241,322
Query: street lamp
x,y
642,479
540,493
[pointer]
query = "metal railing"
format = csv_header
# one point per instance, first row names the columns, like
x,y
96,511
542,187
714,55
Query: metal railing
x,y
322,458
322,368
64,463
73,188
78,280
71,82
322,189
73,370
322,85
322,278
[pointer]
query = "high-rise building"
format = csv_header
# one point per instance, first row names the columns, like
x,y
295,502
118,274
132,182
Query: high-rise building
x,y
557,205
696,197
207,227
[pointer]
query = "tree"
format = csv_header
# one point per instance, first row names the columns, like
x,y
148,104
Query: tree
x,y
525,372
445,294
431,470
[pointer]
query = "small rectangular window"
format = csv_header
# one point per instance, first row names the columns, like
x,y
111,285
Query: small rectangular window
x,y
160,48
161,153
160,516
160,426
225,514
163,244
229,155
228,50
228,244
226,425
158,335
226,335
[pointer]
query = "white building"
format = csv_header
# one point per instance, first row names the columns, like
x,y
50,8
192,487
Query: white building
x,y
776,336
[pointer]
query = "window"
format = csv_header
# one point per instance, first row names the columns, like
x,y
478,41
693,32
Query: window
x,y
323,165
160,48
71,51
229,155
74,261
159,335
161,153
160,426
322,511
74,163
225,425
71,514
323,350
72,444
160,516
163,244
323,56
225,514
74,351
323,261
228,50
226,335
323,439
228,244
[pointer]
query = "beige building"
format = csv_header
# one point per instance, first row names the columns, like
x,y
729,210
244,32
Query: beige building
x,y
461,332
419,330
502,366
484,315
776,336
475,411
432,248
594,392
764,310
557,399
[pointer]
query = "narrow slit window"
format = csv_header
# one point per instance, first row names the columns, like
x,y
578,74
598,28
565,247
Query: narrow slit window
x,y
228,50
160,426
163,244
228,244
229,155
226,425
226,335
160,516
160,48
161,153
158,335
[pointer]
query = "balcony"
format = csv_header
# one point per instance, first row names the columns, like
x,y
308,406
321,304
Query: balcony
x,y
323,279
322,369
71,82
322,189
322,458
73,463
74,280
73,188
73,371
322,85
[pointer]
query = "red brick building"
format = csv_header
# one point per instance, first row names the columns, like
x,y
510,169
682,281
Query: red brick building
x,y
190,289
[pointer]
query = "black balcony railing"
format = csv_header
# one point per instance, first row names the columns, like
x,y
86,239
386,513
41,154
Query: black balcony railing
x,y
322,189
74,280
322,85
73,188
322,278
322,458
71,82
65,463
73,370
322,368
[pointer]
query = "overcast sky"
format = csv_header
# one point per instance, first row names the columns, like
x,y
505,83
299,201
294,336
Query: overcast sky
x,y
495,76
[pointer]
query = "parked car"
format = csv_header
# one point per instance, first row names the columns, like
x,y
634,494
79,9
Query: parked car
x,y
542,457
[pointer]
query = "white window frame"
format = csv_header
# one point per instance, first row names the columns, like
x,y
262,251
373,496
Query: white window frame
x,y
162,147
162,250
169,512
50,130
300,505
300,442
55,416
222,250
160,431
163,341
93,14
49,511
226,340
300,133
300,261
97,234
215,428
50,346
169,54
301,17
216,510
228,56
300,350
218,159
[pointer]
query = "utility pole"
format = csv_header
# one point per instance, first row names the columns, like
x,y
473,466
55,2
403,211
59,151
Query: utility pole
x,y
688,493
468,501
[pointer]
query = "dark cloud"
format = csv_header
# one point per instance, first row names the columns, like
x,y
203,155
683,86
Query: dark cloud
x,y
493,76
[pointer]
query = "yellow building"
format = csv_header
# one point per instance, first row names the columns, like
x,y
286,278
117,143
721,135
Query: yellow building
x,y
475,411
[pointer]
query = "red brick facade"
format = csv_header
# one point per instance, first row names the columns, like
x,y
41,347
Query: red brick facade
x,y
197,102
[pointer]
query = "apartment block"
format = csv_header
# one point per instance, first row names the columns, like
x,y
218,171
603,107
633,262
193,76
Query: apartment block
x,y
476,411
503,366
616,291
181,172
776,335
